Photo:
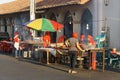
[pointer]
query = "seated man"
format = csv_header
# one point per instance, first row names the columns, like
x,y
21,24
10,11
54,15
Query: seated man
x,y
87,41
114,51
46,39
91,42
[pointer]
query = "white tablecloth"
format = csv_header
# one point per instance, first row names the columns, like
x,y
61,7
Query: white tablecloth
x,y
51,50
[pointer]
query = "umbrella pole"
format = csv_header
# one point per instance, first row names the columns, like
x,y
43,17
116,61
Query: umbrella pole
x,y
56,42
56,35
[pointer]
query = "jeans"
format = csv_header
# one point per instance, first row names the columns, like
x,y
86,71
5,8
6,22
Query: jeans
x,y
73,58
17,53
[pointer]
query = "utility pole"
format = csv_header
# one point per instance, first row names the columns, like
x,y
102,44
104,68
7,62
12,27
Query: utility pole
x,y
32,9
32,14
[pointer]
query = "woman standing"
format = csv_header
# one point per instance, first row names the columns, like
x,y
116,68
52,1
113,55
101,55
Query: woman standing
x,y
16,44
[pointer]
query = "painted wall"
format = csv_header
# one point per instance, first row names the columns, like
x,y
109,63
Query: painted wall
x,y
76,12
14,22
112,13
99,12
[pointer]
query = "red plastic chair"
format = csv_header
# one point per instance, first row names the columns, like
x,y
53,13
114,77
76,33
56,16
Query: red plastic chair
x,y
61,39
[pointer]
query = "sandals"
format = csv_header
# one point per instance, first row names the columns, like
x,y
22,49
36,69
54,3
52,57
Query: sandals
x,y
72,71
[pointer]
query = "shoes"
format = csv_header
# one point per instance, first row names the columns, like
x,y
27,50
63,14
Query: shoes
x,y
72,71
16,57
69,71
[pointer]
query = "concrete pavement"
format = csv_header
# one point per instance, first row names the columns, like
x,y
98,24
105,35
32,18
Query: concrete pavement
x,y
13,69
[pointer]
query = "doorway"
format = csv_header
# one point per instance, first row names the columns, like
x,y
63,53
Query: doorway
x,y
87,23
68,25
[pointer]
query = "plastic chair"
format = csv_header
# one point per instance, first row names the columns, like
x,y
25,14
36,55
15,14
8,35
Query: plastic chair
x,y
112,59
61,39
100,40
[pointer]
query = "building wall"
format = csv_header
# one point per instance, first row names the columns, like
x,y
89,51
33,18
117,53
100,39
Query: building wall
x,y
98,10
2,28
76,12
112,12
14,22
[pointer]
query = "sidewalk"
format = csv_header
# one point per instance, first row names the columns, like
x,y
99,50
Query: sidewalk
x,y
60,71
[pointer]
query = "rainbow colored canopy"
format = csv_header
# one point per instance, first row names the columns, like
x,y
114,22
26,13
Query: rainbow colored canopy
x,y
44,24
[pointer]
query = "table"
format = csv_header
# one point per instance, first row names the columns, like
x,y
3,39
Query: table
x,y
118,53
30,46
48,51
92,52
31,42
6,46
8,42
62,55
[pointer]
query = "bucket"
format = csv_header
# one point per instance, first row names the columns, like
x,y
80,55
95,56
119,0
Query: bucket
x,y
25,54
94,61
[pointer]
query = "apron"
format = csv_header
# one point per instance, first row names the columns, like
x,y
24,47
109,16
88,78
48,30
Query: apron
x,y
16,45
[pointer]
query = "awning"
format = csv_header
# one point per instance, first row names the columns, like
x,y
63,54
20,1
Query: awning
x,y
56,3
12,7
